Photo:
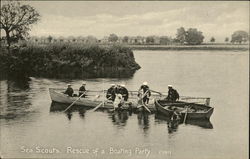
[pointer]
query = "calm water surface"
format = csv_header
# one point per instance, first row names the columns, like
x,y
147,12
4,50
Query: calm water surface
x,y
27,121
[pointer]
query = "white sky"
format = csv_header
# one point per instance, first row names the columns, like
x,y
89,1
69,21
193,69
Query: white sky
x,y
82,18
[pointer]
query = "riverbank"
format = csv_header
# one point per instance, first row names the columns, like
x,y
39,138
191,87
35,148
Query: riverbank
x,y
64,60
222,47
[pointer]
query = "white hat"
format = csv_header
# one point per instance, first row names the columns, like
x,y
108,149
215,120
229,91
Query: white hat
x,y
145,83
68,84
112,84
84,83
170,85
123,85
119,96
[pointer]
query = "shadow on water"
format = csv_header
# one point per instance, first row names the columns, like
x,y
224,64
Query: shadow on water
x,y
119,117
15,98
60,107
143,120
173,124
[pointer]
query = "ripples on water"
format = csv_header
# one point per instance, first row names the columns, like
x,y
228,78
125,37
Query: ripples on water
x,y
28,118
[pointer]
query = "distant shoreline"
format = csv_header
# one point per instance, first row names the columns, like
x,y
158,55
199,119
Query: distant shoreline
x,y
215,47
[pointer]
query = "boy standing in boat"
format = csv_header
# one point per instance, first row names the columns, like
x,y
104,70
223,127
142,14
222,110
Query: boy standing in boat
x,y
145,92
124,92
111,92
173,95
82,90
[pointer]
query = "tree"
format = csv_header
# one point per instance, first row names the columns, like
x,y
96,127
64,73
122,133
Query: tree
x,y
226,39
181,35
112,38
194,37
240,36
150,40
16,20
164,40
50,39
91,39
212,39
125,39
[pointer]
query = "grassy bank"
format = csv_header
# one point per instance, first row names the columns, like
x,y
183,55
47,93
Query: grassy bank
x,y
222,47
68,60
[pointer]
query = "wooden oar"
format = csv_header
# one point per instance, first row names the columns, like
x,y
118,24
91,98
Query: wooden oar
x,y
143,104
140,99
102,101
100,104
185,115
146,108
178,104
73,103
156,92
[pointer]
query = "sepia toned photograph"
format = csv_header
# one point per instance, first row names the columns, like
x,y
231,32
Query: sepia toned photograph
x,y
124,79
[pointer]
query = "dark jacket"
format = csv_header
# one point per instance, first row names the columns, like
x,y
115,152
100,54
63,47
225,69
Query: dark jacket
x,y
69,91
145,88
124,93
111,93
118,90
82,90
173,95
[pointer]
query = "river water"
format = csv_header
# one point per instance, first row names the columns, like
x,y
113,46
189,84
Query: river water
x,y
30,129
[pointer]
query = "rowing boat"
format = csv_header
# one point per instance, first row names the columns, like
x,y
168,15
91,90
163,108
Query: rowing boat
x,y
190,110
94,98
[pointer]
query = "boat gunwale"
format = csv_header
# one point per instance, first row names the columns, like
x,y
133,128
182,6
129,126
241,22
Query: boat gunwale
x,y
154,93
210,108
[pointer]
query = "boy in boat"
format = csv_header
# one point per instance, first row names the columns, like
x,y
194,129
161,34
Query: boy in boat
x,y
145,94
118,89
111,92
69,91
82,90
124,92
173,95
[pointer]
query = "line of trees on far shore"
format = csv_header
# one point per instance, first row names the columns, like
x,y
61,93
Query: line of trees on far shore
x,y
17,18
191,36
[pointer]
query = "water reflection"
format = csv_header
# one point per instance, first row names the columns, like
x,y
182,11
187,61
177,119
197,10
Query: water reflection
x,y
119,118
57,107
206,124
69,114
15,98
19,84
60,107
82,113
173,125
143,120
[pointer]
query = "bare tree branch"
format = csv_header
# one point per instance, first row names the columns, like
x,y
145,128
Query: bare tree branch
x,y
16,20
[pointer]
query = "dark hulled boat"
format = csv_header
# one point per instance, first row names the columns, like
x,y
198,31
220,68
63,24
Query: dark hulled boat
x,y
190,110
